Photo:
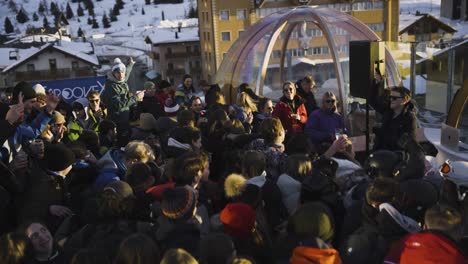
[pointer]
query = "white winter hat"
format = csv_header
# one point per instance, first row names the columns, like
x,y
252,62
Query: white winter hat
x,y
39,89
118,65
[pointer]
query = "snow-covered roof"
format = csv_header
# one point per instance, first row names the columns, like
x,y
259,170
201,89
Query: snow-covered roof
x,y
79,50
38,38
116,51
407,20
312,62
5,55
166,31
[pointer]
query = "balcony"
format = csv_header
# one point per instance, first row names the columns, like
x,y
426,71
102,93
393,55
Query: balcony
x,y
181,55
175,71
54,74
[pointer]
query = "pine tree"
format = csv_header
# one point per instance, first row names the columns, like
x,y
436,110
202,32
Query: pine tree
x,y
162,16
192,12
12,6
105,21
45,23
90,21
88,4
116,10
8,26
95,23
113,17
147,2
53,7
120,4
80,11
142,11
35,17
80,32
41,9
21,17
69,11
156,2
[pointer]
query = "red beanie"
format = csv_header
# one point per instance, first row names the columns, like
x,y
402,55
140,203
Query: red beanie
x,y
238,219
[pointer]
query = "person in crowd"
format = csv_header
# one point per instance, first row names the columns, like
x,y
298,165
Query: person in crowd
x,y
118,98
323,123
150,103
137,249
184,91
291,110
56,130
96,110
398,117
44,248
107,135
265,109
178,256
196,105
305,89
164,91
247,89
171,108
80,119
217,248
115,162
46,196
437,243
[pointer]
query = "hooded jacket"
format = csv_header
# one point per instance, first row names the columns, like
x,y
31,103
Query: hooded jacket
x,y
117,97
283,112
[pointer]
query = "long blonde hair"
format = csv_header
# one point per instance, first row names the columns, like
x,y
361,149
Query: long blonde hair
x,y
245,100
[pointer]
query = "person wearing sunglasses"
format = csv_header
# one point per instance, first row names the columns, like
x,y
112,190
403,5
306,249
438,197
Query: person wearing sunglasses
x,y
397,117
291,110
323,123
96,112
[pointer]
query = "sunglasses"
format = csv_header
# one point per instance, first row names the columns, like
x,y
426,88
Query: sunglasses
x,y
94,101
394,98
288,89
330,101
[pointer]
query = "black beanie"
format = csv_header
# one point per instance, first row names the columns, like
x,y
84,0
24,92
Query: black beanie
x,y
27,90
178,203
58,157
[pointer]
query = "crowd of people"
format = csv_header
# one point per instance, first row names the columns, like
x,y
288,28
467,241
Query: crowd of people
x,y
176,175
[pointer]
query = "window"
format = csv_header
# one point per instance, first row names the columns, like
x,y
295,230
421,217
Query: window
x,y
226,36
53,64
241,14
208,35
170,66
316,51
224,15
325,50
240,33
30,67
169,51
74,65
224,55
376,26
188,49
190,65
196,48
197,64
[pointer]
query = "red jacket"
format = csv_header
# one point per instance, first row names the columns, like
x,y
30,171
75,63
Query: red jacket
x,y
283,112
307,255
425,248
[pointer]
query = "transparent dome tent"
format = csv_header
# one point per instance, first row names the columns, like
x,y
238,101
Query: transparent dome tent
x,y
296,42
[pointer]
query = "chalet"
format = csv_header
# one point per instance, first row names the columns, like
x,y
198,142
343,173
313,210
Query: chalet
x,y
423,28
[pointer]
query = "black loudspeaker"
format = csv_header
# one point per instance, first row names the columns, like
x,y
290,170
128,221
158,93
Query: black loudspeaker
x,y
365,58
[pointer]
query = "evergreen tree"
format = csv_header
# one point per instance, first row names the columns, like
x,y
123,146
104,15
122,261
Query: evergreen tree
x,y
105,21
41,9
162,16
80,32
90,21
80,11
53,7
192,13
12,5
156,2
147,2
45,23
113,17
91,12
88,4
8,26
116,10
21,17
95,23
120,4
35,17
69,11
142,11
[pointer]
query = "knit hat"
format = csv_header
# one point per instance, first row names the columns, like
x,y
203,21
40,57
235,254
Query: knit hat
x,y
178,203
148,85
164,84
147,122
171,107
39,88
27,90
238,219
58,157
121,188
312,219
118,66
57,118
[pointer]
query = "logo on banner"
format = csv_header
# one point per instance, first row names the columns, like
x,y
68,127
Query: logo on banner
x,y
73,93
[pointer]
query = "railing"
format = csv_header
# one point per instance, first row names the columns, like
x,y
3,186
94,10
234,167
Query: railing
x,y
175,71
54,74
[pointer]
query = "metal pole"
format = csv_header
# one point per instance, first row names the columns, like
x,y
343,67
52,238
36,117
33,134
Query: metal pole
x,y
450,74
413,68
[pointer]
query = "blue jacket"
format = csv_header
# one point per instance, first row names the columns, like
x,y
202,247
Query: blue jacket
x,y
111,167
321,125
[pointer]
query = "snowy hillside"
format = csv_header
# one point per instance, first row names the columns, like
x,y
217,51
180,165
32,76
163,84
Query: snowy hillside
x,y
423,6
130,22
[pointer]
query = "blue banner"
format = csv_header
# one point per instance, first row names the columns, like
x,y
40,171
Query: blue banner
x,y
72,89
